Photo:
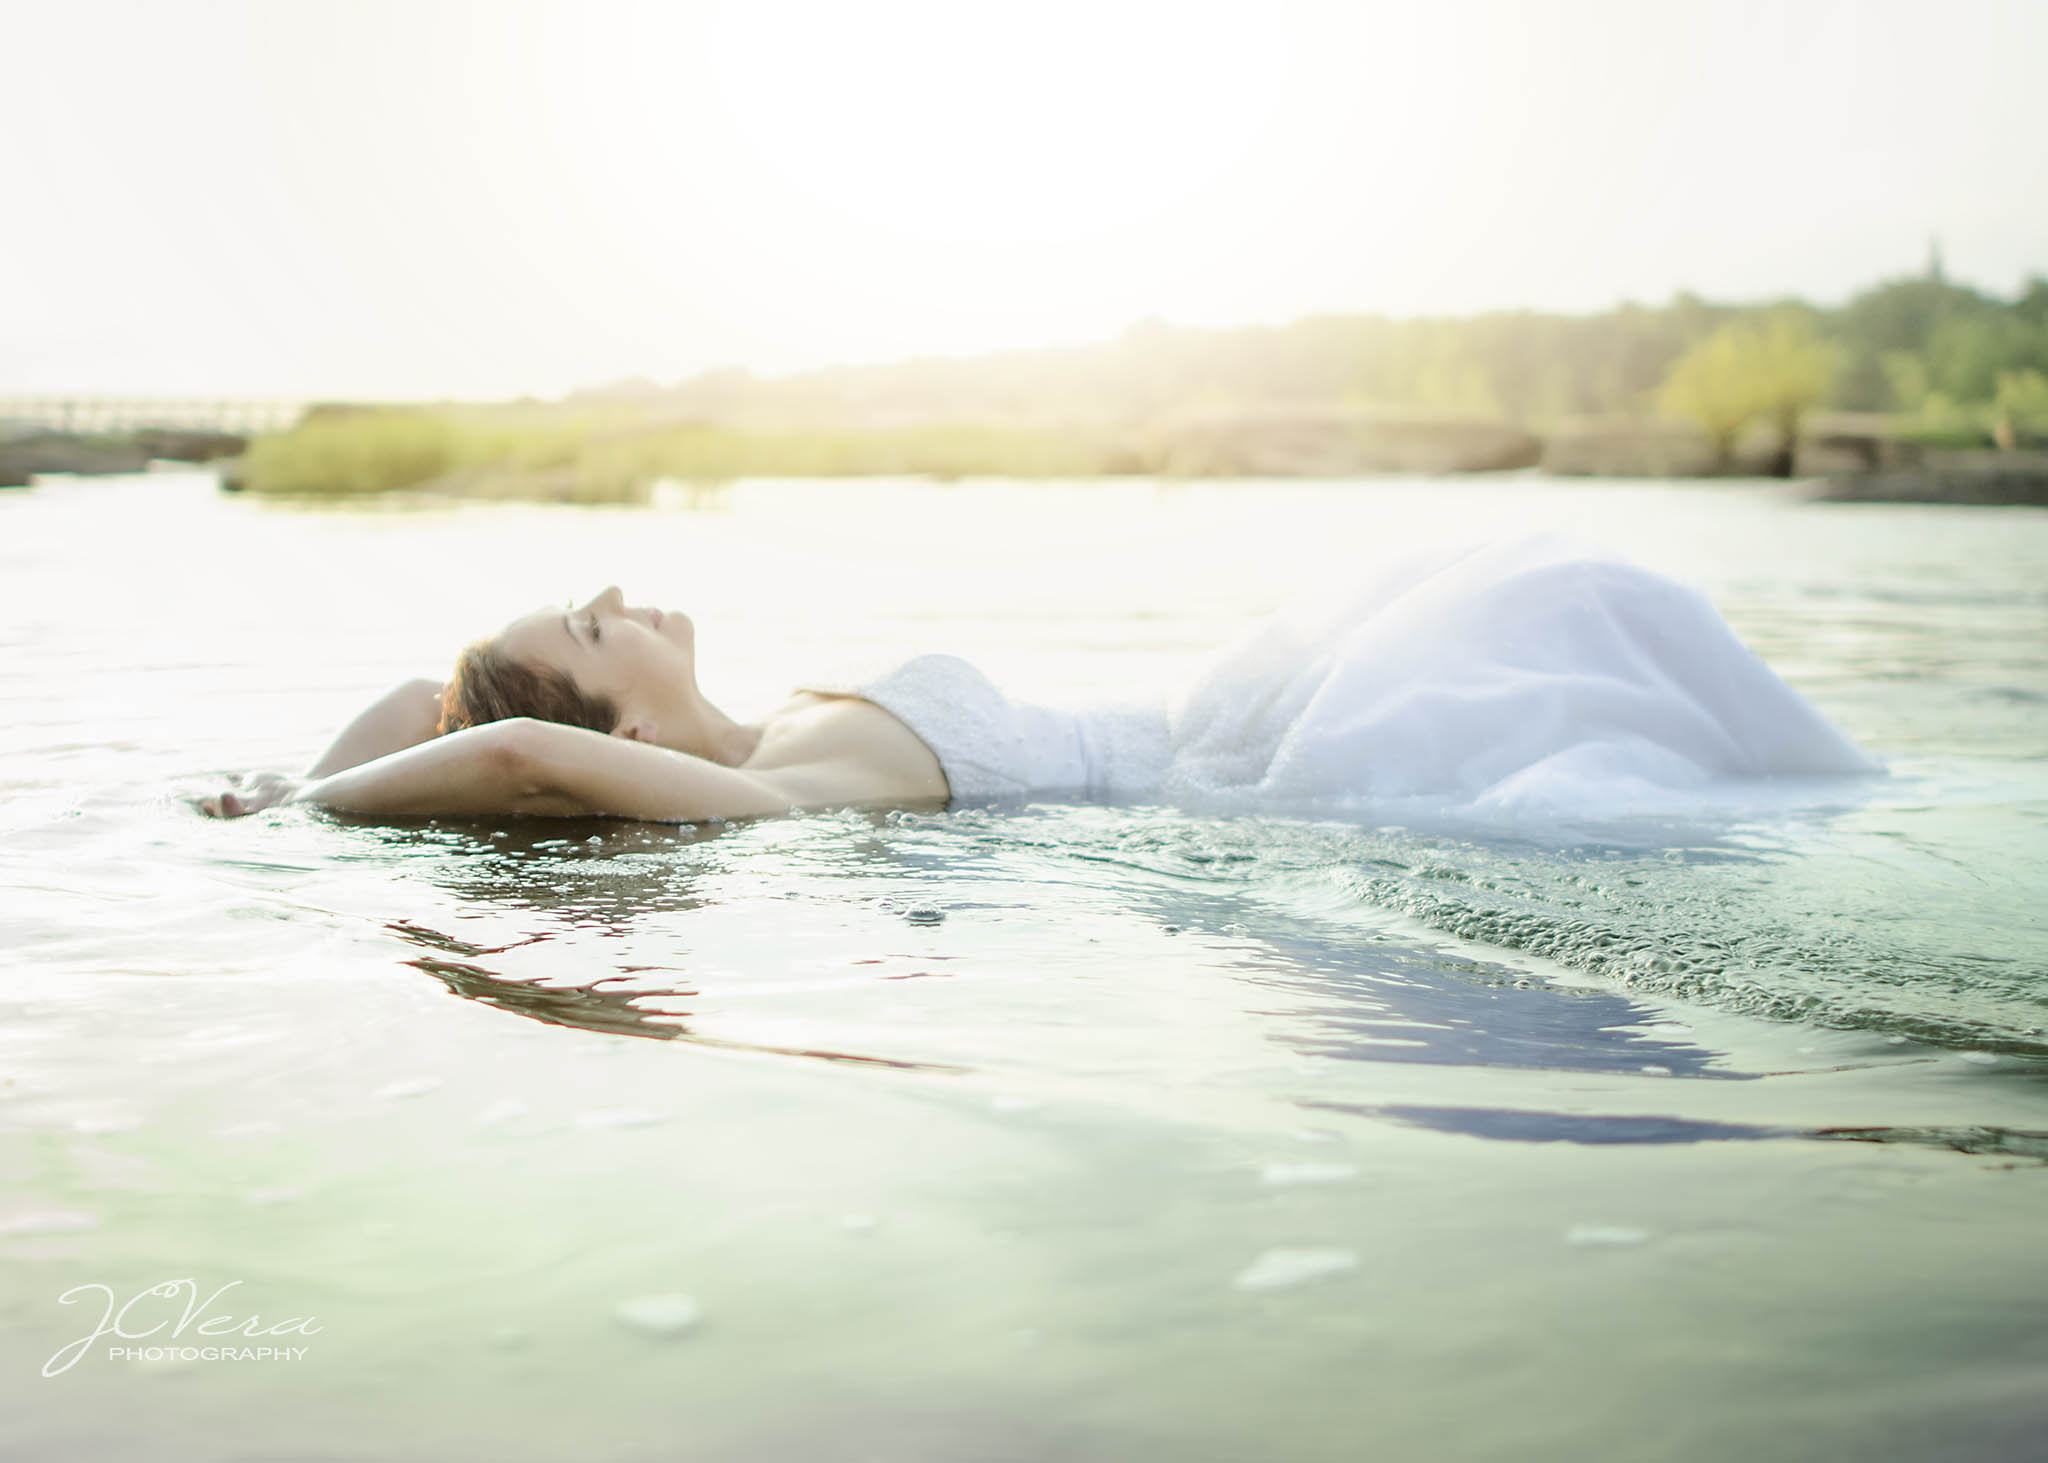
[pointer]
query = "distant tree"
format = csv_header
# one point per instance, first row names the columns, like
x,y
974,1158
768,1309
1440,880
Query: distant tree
x,y
1906,372
2032,305
1901,315
1714,384
1795,369
1967,354
2019,412
1775,367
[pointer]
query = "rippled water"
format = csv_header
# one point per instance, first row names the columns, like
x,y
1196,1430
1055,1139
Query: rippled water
x,y
1672,1136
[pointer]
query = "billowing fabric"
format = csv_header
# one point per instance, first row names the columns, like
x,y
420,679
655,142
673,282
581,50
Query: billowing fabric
x,y
1530,674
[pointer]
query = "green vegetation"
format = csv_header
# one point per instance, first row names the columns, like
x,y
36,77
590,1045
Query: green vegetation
x,y
611,456
1943,363
1775,367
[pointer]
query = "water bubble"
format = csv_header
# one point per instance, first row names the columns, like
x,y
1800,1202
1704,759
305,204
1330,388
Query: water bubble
x,y
1656,1071
408,1087
1290,1175
1982,1059
1234,928
1282,1269
1605,1236
662,1316
620,1117
924,914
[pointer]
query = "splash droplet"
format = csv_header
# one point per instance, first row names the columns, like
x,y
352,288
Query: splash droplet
x,y
662,1316
1605,1236
1283,1269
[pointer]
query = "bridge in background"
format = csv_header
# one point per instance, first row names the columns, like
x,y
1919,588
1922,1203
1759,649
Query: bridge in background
x,y
95,414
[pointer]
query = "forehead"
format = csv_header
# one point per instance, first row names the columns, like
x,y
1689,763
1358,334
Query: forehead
x,y
541,635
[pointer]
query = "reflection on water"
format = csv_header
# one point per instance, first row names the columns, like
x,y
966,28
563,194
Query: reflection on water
x,y
610,1005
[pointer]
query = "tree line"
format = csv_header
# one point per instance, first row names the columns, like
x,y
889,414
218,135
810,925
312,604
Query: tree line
x,y
1950,363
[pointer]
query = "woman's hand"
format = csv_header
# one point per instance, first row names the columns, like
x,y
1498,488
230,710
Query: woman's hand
x,y
249,795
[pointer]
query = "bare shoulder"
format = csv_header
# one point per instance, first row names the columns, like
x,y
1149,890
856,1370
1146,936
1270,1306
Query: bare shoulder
x,y
840,749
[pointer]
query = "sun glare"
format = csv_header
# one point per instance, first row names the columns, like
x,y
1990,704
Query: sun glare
x,y
434,197
937,123
904,177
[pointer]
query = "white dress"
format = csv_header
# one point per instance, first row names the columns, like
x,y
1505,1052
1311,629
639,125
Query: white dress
x,y
992,748
1532,674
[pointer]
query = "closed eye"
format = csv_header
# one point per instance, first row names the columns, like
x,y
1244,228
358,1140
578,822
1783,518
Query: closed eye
x,y
595,636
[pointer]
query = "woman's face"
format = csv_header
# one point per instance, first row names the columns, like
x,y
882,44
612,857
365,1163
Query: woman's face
x,y
644,660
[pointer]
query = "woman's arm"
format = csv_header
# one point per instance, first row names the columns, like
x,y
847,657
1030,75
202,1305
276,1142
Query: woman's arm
x,y
524,766
402,717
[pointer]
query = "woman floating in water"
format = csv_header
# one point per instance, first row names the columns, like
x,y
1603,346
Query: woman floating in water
x,y
1531,674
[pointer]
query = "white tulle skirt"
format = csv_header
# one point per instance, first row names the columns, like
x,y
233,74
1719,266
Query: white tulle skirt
x,y
1537,673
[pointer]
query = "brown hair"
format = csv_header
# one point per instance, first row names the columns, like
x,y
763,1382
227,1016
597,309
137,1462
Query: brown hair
x,y
488,685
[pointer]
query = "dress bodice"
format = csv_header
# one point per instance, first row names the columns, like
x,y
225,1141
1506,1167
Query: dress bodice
x,y
992,748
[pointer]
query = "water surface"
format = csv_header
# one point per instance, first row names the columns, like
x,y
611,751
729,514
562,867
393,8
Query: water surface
x,y
1664,1137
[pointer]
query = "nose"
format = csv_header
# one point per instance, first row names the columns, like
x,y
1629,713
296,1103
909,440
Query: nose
x,y
607,600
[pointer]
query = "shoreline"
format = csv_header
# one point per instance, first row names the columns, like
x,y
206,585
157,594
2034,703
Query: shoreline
x,y
1830,466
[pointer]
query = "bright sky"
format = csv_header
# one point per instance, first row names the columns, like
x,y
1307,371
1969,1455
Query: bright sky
x,y
397,198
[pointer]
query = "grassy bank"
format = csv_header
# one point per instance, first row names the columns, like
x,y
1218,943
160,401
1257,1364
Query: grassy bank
x,y
615,456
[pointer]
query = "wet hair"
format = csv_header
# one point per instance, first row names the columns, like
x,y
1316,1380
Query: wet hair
x,y
489,685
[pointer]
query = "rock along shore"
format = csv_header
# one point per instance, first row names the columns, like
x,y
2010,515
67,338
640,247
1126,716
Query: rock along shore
x,y
2008,478
24,456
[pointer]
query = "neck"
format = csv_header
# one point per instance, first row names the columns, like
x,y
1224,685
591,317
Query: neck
x,y
721,739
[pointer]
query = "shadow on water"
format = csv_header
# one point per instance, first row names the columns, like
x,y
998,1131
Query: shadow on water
x,y
1513,1125
1520,1125
1393,1004
1352,991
